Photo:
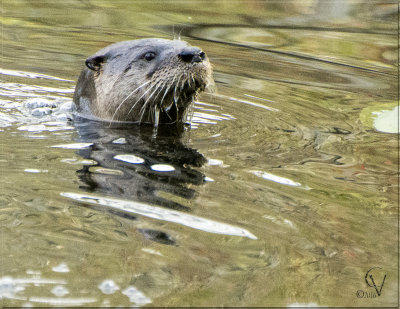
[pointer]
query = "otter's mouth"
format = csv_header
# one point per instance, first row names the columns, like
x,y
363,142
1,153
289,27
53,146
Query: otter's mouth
x,y
180,98
174,93
174,87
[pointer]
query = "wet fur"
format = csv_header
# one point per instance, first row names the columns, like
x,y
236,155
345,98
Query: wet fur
x,y
119,84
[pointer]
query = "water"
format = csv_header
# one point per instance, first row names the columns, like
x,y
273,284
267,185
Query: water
x,y
282,194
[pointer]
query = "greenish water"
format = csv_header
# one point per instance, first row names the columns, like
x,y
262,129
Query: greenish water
x,y
284,193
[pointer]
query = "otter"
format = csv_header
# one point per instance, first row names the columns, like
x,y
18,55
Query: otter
x,y
152,81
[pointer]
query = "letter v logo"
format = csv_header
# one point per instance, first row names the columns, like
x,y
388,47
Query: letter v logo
x,y
369,279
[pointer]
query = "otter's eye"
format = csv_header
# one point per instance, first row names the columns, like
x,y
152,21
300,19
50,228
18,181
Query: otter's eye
x,y
149,56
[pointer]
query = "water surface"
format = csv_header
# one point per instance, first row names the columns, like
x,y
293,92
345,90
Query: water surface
x,y
283,193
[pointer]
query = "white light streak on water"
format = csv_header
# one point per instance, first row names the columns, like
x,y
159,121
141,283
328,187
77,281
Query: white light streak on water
x,y
74,146
62,301
129,158
41,127
34,170
278,179
162,214
61,268
162,168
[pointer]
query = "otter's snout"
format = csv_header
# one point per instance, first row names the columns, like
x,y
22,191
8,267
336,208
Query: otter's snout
x,y
192,55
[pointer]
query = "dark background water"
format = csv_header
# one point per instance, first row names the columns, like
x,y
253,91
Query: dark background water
x,y
287,150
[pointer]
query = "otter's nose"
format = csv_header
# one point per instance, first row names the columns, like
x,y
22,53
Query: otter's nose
x,y
192,54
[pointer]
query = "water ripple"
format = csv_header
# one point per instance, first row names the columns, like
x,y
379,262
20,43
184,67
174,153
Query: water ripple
x,y
31,75
249,102
20,90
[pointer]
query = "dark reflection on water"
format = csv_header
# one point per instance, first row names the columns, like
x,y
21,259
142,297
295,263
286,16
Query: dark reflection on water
x,y
139,180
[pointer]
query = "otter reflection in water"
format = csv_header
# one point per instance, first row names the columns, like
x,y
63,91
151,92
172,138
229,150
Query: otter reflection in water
x,y
131,164
151,82
144,177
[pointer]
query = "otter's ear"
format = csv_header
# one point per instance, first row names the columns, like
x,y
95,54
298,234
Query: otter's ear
x,y
95,62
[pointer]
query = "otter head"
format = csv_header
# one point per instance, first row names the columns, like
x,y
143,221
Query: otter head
x,y
147,81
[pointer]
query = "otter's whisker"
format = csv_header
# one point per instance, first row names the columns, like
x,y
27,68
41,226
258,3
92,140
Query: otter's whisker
x,y
144,107
158,106
175,94
161,88
133,106
183,84
132,92
175,102
176,98
123,101
143,111
177,112
165,93
167,109
162,100
154,95
173,79
189,83
190,111
156,116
